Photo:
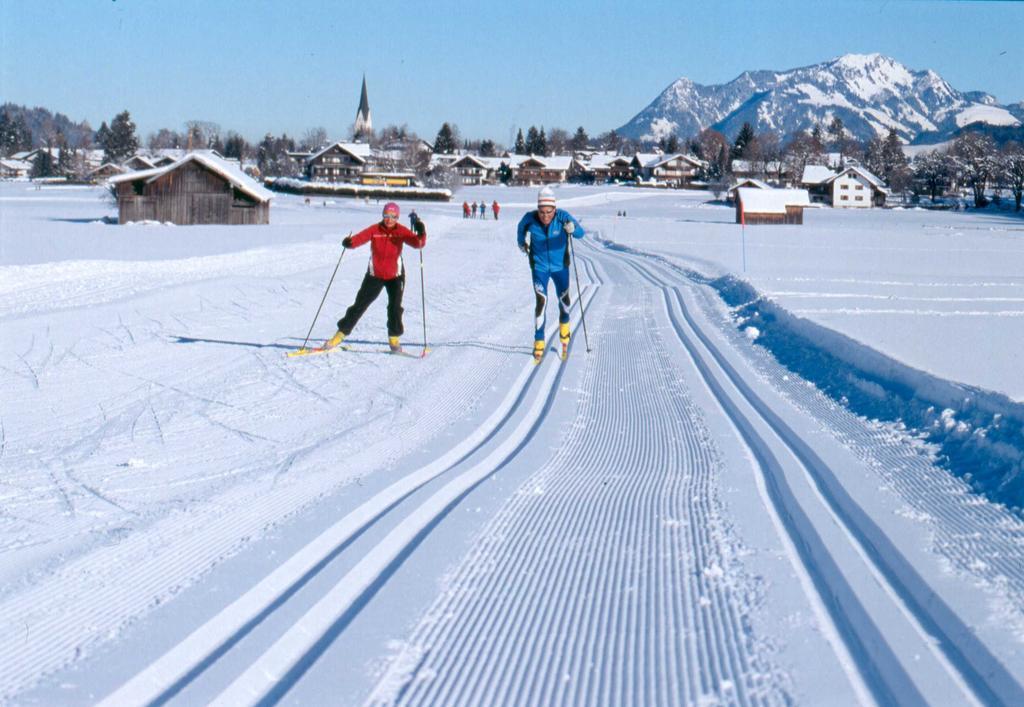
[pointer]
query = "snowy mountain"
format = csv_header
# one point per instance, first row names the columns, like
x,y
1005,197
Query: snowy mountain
x,y
871,93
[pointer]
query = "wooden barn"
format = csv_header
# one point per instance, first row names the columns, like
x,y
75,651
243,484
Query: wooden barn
x,y
197,189
756,207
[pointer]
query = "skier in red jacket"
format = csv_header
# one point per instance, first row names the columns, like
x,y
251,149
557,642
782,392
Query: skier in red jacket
x,y
384,272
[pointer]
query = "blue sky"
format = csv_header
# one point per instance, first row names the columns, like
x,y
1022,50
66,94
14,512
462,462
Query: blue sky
x,y
272,66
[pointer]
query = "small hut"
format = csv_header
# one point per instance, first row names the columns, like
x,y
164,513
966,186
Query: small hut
x,y
770,206
197,189
730,195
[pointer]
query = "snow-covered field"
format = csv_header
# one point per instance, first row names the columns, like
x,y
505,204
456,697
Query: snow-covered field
x,y
780,475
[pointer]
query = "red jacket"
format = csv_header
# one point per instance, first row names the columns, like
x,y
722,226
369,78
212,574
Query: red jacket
x,y
386,248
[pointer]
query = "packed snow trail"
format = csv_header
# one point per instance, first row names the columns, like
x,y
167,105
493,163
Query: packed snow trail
x,y
609,580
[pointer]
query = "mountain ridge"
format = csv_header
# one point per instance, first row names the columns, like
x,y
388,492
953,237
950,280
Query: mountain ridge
x,y
871,93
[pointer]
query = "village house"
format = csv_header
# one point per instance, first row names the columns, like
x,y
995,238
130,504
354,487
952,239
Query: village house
x,y
534,170
15,169
197,189
774,170
604,168
473,170
338,162
675,170
756,207
852,187
105,171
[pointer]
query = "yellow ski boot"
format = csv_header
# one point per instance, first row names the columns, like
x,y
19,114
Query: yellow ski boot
x,y
394,344
538,351
563,334
334,341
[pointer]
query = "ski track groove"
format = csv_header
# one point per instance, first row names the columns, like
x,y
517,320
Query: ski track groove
x,y
969,673
945,504
485,643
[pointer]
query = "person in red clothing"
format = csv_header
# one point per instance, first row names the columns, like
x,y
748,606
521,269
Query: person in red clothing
x,y
495,208
465,209
385,272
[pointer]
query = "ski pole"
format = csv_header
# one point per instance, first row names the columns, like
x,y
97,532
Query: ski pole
x,y
579,295
315,317
423,299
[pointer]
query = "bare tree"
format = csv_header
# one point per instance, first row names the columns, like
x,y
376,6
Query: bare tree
x,y
976,157
313,139
1011,162
558,141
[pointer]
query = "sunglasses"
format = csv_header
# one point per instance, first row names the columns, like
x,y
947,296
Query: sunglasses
x,y
391,216
547,209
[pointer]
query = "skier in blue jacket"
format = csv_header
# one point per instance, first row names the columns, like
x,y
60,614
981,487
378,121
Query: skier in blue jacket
x,y
543,235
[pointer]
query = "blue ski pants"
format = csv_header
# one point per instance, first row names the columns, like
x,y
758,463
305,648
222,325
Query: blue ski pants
x,y
540,289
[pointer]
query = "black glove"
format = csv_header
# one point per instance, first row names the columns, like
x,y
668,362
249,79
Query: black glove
x,y
346,242
420,228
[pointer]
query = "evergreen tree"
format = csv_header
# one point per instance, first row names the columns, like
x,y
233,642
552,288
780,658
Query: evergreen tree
x,y
43,165
670,144
613,142
65,156
102,136
580,140
235,147
487,148
505,172
542,144
446,142
122,142
531,140
743,139
8,135
520,146
895,170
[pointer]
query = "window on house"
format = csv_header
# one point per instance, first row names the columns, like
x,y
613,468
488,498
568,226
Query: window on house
x,y
859,187
844,186
845,198
860,198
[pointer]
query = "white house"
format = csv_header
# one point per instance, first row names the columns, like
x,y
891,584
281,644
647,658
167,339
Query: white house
x,y
675,170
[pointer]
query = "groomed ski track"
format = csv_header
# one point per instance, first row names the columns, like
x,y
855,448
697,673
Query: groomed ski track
x,y
614,571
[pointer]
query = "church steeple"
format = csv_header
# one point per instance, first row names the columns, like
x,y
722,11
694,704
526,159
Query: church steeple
x,y
363,124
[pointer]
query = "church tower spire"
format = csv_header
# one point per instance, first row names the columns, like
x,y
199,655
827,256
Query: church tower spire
x,y
363,125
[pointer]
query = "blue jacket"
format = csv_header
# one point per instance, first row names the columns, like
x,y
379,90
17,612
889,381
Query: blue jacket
x,y
548,246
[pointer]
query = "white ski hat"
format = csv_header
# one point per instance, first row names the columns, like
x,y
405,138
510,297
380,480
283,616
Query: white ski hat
x,y
546,197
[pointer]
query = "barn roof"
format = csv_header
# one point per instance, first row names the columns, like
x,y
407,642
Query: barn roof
x,y
771,201
231,173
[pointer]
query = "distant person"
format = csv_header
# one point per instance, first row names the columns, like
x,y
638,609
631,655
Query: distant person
x,y
465,209
472,210
548,230
483,208
413,218
385,272
495,208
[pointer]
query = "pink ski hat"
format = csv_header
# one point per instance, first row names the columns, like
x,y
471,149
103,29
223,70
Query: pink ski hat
x,y
391,209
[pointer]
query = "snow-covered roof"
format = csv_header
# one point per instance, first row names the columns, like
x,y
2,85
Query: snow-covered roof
x,y
231,172
650,160
359,150
816,174
478,161
16,164
751,182
603,161
872,179
771,201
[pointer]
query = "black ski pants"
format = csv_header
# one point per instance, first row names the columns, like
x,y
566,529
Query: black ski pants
x,y
368,292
